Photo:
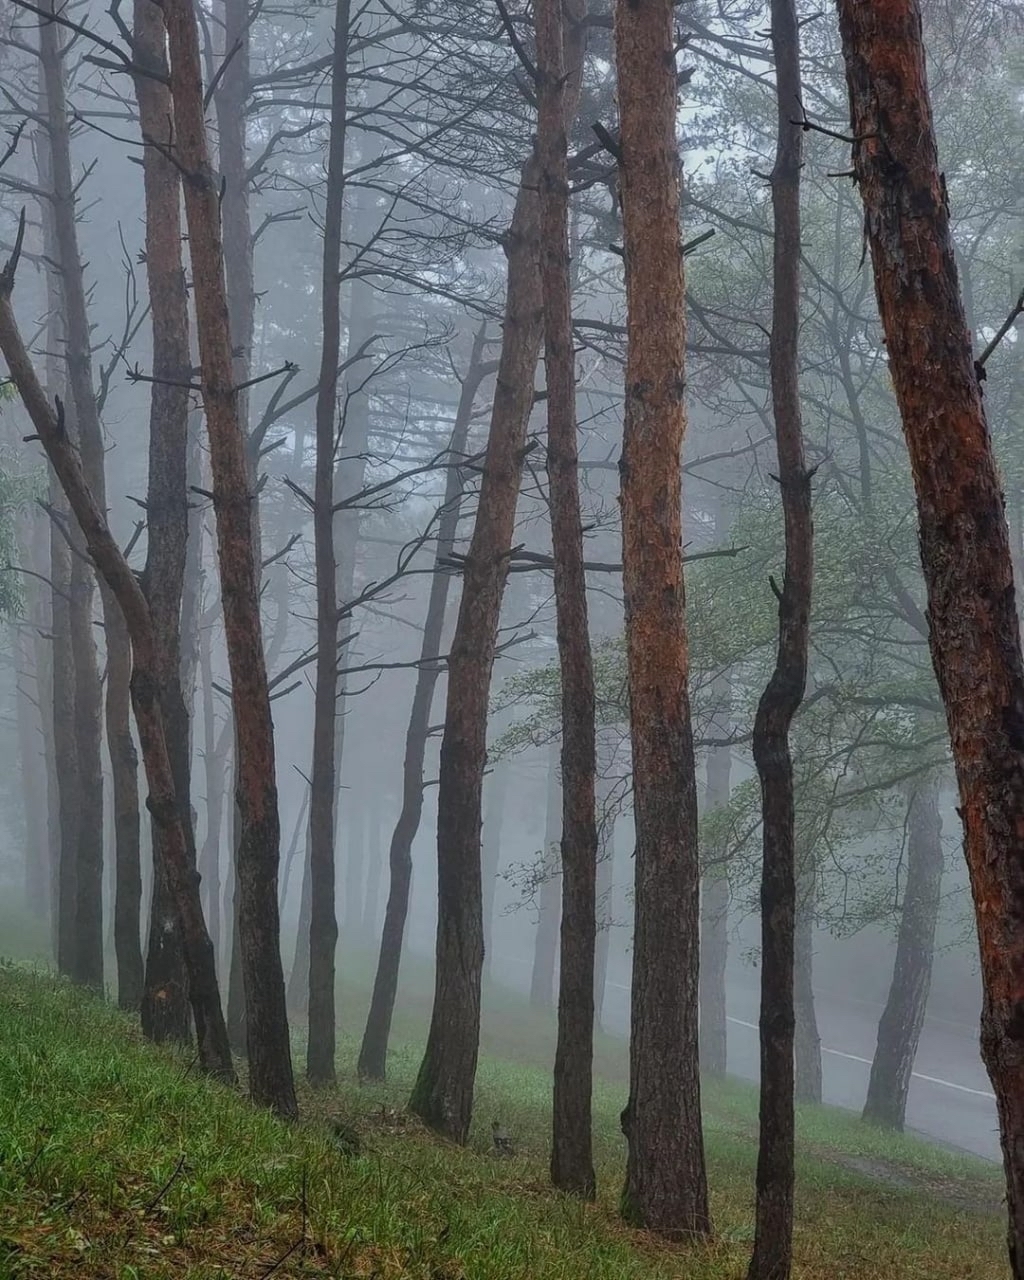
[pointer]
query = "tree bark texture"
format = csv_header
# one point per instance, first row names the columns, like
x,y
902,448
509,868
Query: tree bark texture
x,y
572,1161
974,631
373,1050
899,1028
772,1257
666,1184
211,1035
443,1093
165,1009
270,1069
323,941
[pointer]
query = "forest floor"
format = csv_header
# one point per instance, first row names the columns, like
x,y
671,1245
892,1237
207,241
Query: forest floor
x,y
117,1160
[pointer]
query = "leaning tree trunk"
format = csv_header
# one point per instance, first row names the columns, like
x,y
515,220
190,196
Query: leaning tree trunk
x,y
772,1257
165,1008
572,1156
211,1034
443,1093
549,896
270,1069
974,630
714,903
899,1028
323,922
666,1183
373,1051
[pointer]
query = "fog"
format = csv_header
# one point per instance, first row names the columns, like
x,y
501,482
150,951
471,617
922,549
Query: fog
x,y
440,121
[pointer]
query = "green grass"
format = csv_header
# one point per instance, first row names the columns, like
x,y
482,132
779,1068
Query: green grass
x,y
119,1161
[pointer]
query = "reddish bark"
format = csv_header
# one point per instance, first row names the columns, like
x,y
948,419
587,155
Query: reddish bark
x,y
666,1183
974,631
270,1069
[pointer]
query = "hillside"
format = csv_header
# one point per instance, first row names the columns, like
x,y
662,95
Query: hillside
x,y
118,1161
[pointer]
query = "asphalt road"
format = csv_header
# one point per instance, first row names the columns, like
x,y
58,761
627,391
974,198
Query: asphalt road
x,y
950,1098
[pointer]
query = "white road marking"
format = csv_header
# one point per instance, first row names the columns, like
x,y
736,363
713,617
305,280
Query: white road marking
x,y
853,1057
916,1075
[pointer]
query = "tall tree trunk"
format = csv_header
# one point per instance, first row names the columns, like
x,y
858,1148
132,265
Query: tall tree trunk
x,y
666,1184
348,482
32,764
270,1069
165,1008
549,896
605,885
807,1047
772,1257
216,767
323,923
899,1028
714,905
490,850
124,772
572,1157
373,1051
214,1053
374,867
88,966
64,815
974,631
443,1093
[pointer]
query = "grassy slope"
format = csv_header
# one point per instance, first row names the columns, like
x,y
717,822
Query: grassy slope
x,y
118,1161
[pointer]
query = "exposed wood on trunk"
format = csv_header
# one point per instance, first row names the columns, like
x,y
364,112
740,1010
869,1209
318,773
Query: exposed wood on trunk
x,y
373,1051
214,1053
270,1069
899,1028
666,1184
443,1093
165,1010
772,1257
323,922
